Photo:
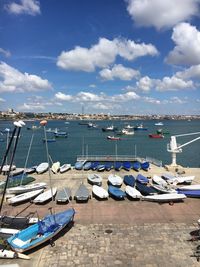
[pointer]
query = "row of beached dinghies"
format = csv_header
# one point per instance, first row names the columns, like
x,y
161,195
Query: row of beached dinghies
x,y
160,189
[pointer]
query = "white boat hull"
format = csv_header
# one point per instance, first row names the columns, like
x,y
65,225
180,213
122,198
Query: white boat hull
x,y
172,197
99,192
25,196
45,196
25,188
115,180
9,254
42,167
133,192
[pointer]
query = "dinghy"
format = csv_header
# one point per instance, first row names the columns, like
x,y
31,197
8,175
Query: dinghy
x,y
25,188
127,165
145,165
118,165
41,232
116,192
99,192
79,165
100,167
65,167
173,197
43,167
189,193
12,182
24,197
136,165
55,167
82,194
166,189
94,165
132,192
9,254
30,170
13,222
94,179
170,178
47,195
87,166
115,180
108,166
142,179
146,190
158,180
63,195
129,180
190,187
17,171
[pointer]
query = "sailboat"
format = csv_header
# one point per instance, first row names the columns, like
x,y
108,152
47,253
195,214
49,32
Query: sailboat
x,y
41,232
46,228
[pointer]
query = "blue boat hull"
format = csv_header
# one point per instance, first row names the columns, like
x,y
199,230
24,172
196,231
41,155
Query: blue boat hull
x,y
116,192
190,193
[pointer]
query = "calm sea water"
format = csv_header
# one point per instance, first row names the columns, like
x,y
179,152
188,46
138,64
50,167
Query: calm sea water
x,y
82,140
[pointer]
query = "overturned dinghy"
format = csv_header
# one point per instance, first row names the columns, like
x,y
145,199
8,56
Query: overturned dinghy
x,y
41,232
55,167
115,180
43,167
99,192
172,197
63,195
95,179
133,192
82,194
47,195
24,197
25,188
65,167
116,192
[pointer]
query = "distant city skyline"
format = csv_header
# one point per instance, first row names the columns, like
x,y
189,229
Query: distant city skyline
x,y
104,56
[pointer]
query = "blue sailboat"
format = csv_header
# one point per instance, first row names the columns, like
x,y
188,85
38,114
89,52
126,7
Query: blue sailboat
x,y
116,192
146,190
108,166
118,165
87,166
129,180
40,232
94,165
79,165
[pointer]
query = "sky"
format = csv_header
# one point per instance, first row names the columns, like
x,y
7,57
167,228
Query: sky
x,y
138,57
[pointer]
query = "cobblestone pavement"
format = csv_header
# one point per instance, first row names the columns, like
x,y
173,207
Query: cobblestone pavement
x,y
146,245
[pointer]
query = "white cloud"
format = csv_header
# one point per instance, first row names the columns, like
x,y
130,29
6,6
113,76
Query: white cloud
x,y
145,84
2,100
105,106
120,72
187,49
192,72
31,107
89,97
177,100
29,7
152,100
125,97
12,80
161,14
173,84
63,97
4,52
102,54
92,86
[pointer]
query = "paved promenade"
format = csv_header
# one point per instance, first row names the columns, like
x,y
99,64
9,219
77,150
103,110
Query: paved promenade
x,y
117,233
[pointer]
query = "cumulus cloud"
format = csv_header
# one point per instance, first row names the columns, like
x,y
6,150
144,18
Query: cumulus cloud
x,y
152,100
120,72
192,72
12,80
63,97
4,52
29,7
102,54
2,100
31,107
145,84
187,49
173,84
161,14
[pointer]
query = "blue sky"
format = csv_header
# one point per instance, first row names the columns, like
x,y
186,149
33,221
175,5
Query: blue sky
x,y
110,56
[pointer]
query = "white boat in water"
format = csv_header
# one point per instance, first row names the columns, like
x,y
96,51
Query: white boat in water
x,y
133,192
55,167
24,197
99,192
65,167
25,188
43,167
47,195
115,180
173,197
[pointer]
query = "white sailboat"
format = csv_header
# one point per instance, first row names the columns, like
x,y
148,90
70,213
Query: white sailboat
x,y
25,196
45,196
25,188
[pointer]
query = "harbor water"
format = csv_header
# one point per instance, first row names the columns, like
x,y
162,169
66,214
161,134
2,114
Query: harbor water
x,y
82,140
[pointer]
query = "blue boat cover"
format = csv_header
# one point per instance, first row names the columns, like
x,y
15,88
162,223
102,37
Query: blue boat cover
x,y
129,180
142,179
